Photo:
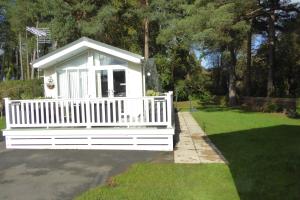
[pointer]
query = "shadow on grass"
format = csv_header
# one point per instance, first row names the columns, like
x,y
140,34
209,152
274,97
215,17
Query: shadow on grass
x,y
264,162
177,129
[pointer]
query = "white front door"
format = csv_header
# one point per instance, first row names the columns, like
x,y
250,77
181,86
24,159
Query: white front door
x,y
110,82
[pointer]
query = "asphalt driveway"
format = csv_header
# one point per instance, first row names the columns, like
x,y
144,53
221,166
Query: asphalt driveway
x,y
63,174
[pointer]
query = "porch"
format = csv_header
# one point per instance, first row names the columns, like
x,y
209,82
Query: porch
x,y
144,123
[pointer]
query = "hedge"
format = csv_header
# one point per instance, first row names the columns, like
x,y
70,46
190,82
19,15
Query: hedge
x,y
298,106
21,89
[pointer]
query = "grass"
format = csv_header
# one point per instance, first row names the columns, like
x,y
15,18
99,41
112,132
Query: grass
x,y
185,105
168,182
263,151
2,125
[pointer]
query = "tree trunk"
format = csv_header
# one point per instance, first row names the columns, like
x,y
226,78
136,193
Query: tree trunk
x,y
2,68
271,44
249,61
146,34
27,60
20,52
16,76
232,79
32,60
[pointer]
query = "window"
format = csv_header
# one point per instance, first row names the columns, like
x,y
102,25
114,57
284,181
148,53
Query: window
x,y
62,84
101,83
103,59
72,83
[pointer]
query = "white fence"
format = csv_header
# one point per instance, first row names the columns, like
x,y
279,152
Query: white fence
x,y
103,112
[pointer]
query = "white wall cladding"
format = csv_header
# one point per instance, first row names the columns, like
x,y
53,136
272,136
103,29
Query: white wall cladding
x,y
118,139
61,74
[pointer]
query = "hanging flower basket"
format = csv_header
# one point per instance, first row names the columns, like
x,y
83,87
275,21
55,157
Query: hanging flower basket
x,y
50,83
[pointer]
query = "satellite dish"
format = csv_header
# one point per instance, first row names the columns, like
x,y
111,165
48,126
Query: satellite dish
x,y
1,52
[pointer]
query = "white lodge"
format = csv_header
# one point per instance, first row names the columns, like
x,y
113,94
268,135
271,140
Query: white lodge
x,y
95,99
94,74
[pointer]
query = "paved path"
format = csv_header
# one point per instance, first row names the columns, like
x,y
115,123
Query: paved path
x,y
63,174
194,146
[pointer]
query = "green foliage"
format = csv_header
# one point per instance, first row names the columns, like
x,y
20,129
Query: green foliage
x,y
176,29
2,124
298,106
181,91
271,107
165,71
221,100
152,93
205,98
21,89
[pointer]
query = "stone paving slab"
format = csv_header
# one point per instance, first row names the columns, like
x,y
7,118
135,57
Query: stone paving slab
x,y
194,146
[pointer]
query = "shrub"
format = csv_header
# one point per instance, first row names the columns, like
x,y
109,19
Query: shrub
x,y
291,113
21,89
270,107
298,106
221,100
152,93
181,91
206,98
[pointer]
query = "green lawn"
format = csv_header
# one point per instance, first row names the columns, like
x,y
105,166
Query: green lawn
x,y
263,151
264,155
168,182
2,125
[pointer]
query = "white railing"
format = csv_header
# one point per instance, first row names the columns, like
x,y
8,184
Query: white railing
x,y
119,111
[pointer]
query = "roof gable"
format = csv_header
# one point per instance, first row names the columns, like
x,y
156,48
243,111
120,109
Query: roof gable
x,y
80,45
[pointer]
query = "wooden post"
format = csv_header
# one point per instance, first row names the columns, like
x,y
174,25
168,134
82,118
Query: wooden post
x,y
7,113
88,113
170,108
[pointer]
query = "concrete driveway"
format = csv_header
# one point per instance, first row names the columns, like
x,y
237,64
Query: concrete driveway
x,y
63,174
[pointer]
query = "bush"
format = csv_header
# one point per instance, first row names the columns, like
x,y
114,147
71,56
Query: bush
x,y
298,106
152,93
221,100
21,89
181,91
291,113
271,107
206,98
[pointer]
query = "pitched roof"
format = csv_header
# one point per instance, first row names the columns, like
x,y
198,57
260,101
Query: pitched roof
x,y
80,45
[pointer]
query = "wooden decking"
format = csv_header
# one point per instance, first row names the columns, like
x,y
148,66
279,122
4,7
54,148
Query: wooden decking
x,y
144,123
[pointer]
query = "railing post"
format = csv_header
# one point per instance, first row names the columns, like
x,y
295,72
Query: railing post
x,y
88,113
7,113
170,108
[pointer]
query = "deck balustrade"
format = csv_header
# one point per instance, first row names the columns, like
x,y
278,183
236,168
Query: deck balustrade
x,y
99,112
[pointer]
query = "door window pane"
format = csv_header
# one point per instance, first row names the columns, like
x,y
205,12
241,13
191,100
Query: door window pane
x,y
119,79
73,84
83,83
101,83
62,84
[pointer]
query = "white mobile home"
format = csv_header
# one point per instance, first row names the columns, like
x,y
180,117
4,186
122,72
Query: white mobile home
x,y
94,99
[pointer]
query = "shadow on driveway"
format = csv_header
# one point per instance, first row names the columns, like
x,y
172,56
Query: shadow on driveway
x,y
63,174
